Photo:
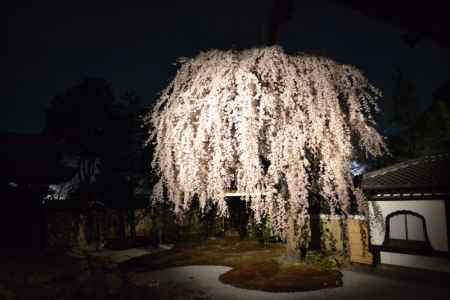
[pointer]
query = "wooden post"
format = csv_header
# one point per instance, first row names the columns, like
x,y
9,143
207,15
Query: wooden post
x,y
447,217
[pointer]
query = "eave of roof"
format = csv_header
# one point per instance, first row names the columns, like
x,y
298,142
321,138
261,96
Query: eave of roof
x,y
425,174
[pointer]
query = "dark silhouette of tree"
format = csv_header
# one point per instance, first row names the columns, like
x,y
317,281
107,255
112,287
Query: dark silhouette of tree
x,y
405,103
124,166
419,133
105,139
442,93
433,126
79,120
403,140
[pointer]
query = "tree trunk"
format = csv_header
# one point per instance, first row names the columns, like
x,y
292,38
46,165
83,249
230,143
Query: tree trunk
x,y
314,225
292,252
131,208
131,221
314,210
122,233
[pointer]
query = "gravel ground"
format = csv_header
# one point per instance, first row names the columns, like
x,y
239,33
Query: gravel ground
x,y
357,285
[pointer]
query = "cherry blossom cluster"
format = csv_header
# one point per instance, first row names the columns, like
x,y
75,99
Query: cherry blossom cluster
x,y
254,121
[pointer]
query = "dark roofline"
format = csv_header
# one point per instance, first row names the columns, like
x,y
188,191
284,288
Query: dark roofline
x,y
32,158
404,165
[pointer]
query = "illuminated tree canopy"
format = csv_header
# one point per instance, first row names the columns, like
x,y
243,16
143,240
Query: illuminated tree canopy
x,y
254,121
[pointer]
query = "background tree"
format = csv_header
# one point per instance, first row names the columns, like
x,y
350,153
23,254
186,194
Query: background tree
x,y
433,125
79,120
103,138
124,166
418,133
255,121
403,140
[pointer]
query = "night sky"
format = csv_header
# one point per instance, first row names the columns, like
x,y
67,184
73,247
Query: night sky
x,y
53,46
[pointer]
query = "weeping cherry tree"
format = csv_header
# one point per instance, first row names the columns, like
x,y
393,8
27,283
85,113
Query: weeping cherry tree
x,y
254,121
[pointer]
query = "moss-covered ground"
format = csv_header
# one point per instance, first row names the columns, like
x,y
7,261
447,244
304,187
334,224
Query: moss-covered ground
x,y
254,266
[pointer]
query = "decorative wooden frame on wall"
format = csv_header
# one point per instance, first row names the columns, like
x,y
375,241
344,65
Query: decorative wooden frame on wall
x,y
425,246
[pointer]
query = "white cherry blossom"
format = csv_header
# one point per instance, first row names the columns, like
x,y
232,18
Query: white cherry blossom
x,y
252,121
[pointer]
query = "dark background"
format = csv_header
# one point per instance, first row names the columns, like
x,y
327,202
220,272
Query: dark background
x,y
52,46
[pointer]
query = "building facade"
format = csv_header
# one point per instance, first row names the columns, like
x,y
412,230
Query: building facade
x,y
409,208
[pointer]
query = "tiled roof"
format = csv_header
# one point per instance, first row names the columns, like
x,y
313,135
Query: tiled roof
x,y
426,173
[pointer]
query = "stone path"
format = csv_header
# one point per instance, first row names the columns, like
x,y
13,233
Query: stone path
x,y
119,256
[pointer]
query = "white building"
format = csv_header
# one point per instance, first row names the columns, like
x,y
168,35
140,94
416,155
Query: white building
x,y
409,205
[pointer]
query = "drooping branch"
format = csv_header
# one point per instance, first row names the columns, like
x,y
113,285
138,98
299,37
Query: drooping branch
x,y
255,121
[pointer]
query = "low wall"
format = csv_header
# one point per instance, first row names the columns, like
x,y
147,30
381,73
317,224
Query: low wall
x,y
143,222
358,235
348,236
71,229
65,230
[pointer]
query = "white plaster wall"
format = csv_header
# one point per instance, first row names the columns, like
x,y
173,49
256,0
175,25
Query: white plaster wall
x,y
432,210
